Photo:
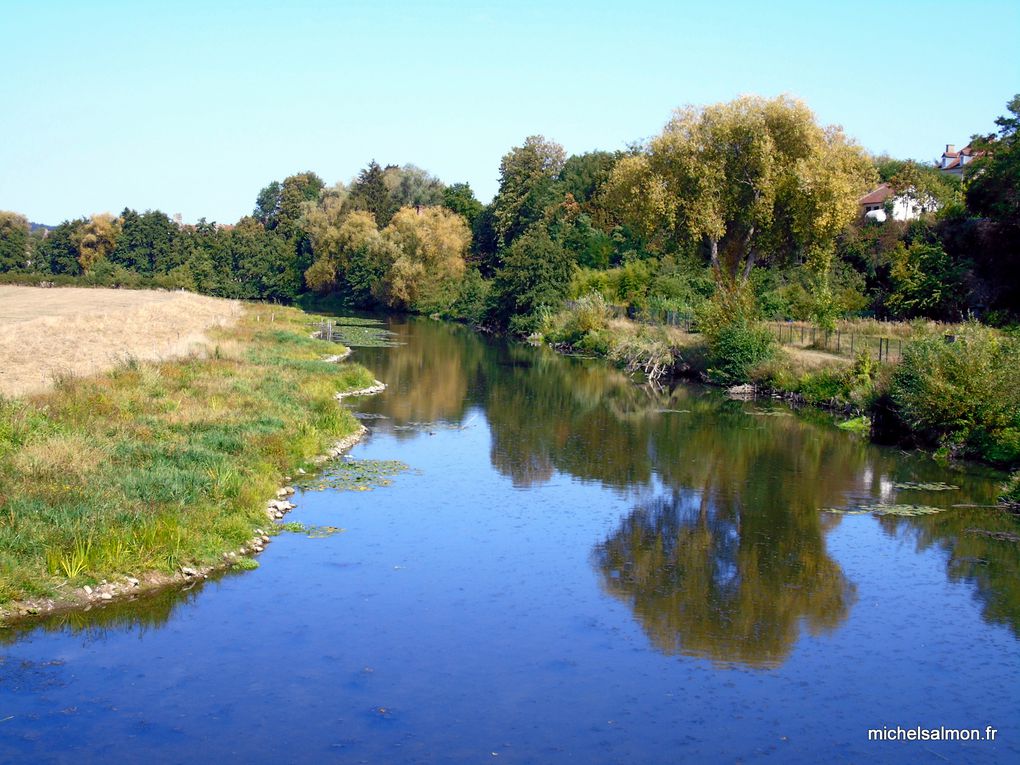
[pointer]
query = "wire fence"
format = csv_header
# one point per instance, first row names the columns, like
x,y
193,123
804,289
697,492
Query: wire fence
x,y
800,334
795,334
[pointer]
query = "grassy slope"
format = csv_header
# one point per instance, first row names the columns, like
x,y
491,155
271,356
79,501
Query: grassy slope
x,y
156,465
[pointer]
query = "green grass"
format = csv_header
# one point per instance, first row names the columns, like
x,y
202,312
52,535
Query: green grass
x,y
152,466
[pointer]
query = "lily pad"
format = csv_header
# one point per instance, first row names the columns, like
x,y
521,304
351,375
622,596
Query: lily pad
x,y
362,333
933,486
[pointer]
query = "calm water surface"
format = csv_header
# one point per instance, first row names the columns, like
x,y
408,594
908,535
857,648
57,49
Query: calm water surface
x,y
576,570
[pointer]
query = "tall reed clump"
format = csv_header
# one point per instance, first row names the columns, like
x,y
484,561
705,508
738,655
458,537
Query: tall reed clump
x,y
588,326
962,393
154,466
583,326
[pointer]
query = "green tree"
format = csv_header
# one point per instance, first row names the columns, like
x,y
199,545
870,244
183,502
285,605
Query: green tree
x,y
926,187
14,241
583,175
261,264
535,273
354,259
145,243
267,205
369,193
296,194
460,199
527,186
58,250
993,189
200,254
485,242
926,282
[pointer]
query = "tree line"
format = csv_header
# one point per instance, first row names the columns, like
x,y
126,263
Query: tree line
x,y
749,205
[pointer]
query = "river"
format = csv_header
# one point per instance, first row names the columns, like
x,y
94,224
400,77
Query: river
x,y
573,569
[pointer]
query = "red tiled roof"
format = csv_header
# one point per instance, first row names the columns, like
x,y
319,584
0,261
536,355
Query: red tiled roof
x,y
876,197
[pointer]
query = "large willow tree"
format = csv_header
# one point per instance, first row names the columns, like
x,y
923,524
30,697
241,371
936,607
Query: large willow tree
x,y
754,179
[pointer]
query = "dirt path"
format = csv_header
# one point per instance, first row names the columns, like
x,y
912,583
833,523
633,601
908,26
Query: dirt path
x,y
47,333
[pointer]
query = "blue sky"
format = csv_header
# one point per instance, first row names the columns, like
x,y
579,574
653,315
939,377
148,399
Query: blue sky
x,y
192,107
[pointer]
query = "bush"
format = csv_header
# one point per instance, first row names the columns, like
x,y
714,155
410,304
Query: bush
x,y
855,386
963,395
735,349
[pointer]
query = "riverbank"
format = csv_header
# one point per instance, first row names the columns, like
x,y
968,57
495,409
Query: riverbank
x,y
957,395
157,473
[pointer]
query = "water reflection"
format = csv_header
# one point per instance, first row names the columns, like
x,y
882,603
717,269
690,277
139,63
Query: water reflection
x,y
708,576
982,548
148,612
729,561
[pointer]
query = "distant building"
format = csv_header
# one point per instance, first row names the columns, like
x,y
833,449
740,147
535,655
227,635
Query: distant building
x,y
873,205
953,161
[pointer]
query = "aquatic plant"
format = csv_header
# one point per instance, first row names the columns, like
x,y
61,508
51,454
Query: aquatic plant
x,y
933,486
887,509
354,475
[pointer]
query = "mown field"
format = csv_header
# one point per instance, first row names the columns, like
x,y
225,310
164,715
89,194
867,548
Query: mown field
x,y
48,334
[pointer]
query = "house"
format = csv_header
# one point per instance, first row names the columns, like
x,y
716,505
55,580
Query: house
x,y
873,205
953,161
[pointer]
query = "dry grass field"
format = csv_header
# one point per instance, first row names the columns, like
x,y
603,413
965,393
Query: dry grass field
x,y
46,334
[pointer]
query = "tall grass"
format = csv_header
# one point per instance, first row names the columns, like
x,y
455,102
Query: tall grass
x,y
152,466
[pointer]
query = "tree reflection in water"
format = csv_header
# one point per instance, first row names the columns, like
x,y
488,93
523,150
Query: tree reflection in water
x,y
708,576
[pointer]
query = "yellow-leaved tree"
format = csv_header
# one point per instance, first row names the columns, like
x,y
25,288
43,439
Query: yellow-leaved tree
x,y
432,243
95,239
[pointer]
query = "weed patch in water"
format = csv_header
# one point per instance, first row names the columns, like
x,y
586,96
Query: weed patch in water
x,y
861,425
934,486
355,475
884,509
433,426
313,532
363,333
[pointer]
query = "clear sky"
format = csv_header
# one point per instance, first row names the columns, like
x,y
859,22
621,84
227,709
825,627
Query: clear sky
x,y
192,107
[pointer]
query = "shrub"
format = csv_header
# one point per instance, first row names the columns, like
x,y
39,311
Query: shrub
x,y
736,348
963,395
